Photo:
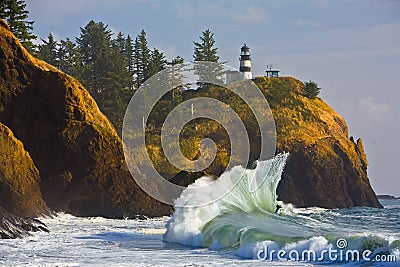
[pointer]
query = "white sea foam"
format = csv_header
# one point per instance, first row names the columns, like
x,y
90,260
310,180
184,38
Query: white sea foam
x,y
245,221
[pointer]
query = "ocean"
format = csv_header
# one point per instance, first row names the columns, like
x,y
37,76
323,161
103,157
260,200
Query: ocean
x,y
242,228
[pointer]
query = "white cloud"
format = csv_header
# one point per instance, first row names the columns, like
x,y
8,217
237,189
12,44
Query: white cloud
x,y
373,106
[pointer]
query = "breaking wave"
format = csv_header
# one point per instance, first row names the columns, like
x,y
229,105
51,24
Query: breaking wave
x,y
249,223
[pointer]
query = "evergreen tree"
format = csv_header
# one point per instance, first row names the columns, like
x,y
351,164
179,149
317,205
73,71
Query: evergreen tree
x,y
311,89
48,50
129,53
105,69
69,58
121,62
205,51
94,44
158,62
142,55
14,11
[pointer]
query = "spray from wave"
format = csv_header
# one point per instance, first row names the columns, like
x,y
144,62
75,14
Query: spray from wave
x,y
247,221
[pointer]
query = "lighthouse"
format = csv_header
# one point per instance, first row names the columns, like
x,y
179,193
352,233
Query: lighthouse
x,y
245,62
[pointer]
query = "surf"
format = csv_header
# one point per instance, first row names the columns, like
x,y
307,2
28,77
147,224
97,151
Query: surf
x,y
246,219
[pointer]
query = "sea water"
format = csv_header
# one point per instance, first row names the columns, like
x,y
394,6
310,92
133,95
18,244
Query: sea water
x,y
239,229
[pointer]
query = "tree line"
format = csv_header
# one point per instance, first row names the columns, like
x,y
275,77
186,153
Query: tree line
x,y
110,66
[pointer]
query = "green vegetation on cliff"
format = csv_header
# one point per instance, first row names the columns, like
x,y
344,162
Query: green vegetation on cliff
x,y
325,168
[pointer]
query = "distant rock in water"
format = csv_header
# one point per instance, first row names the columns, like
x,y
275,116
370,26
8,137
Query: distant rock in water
x,y
75,148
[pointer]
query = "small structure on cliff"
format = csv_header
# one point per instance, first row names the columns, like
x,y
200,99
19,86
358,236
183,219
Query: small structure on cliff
x,y
244,67
271,72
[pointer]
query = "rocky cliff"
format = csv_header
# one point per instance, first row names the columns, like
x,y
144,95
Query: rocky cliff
x,y
326,167
74,147
58,151
20,195
19,178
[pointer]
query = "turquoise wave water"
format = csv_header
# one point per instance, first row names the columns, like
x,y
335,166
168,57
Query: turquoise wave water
x,y
244,221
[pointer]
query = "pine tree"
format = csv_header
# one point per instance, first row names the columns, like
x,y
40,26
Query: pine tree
x,y
94,44
129,54
48,50
205,51
14,11
69,58
157,63
121,62
105,69
311,89
142,56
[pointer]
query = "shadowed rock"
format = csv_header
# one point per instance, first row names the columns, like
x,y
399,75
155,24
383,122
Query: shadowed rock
x,y
73,145
19,178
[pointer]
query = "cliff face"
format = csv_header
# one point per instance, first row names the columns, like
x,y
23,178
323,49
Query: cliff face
x,y
20,195
19,178
73,145
325,168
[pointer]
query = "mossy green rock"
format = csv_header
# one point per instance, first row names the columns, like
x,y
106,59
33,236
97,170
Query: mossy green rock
x,y
73,145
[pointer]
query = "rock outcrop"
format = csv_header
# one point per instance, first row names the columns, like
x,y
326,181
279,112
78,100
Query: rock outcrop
x,y
325,168
75,148
20,195
19,178
12,226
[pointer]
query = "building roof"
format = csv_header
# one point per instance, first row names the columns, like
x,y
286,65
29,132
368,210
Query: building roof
x,y
245,48
272,71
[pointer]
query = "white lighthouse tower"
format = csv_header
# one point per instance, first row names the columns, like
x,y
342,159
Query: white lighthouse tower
x,y
245,62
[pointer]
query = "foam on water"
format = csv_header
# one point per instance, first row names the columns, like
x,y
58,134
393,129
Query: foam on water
x,y
244,221
229,232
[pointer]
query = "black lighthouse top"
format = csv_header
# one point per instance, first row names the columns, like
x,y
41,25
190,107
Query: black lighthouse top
x,y
245,50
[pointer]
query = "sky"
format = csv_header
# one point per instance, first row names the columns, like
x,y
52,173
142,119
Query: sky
x,y
350,48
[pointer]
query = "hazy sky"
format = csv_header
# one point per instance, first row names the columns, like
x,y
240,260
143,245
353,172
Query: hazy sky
x,y
350,48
